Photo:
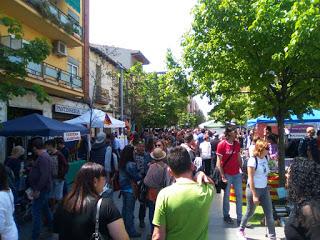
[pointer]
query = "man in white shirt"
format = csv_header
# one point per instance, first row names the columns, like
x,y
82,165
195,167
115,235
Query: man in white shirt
x,y
205,153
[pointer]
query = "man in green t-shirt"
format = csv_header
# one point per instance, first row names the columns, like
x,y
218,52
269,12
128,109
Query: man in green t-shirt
x,y
182,210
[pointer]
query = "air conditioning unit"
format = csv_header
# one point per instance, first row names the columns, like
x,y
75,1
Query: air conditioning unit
x,y
60,48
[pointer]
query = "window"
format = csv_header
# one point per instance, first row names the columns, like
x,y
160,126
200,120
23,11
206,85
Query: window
x,y
73,69
98,75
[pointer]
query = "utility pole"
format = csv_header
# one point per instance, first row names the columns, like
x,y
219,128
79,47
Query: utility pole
x,y
121,92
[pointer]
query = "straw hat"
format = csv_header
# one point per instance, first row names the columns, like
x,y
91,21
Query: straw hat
x,y
158,154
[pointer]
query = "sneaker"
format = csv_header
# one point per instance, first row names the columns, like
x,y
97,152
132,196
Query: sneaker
x,y
241,235
228,220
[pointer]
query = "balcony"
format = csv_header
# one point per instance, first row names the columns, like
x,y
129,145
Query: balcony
x,y
55,15
45,18
102,95
55,75
57,81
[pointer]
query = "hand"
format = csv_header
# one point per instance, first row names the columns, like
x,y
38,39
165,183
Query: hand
x,y
224,179
256,200
35,194
201,178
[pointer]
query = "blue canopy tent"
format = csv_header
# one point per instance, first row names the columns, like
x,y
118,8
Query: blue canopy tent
x,y
38,125
315,117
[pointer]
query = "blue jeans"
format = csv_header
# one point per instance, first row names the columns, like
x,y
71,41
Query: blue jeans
x,y
151,205
39,206
128,212
265,202
236,181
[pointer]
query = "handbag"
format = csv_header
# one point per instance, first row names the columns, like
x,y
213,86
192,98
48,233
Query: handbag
x,y
219,184
97,235
143,190
135,188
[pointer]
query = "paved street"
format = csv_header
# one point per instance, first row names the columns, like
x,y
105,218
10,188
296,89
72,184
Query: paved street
x,y
217,229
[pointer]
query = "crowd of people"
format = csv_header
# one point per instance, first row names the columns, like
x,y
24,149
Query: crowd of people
x,y
172,174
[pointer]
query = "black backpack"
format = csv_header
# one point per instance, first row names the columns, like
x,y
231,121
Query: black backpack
x,y
244,167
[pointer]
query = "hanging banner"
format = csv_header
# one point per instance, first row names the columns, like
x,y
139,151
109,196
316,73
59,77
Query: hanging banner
x,y
71,136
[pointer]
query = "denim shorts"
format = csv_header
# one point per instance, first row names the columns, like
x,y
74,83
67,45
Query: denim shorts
x,y
57,189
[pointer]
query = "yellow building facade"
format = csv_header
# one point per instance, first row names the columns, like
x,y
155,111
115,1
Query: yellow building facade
x,y
64,74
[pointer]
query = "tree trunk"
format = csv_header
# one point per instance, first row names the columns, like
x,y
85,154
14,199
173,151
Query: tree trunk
x,y
281,144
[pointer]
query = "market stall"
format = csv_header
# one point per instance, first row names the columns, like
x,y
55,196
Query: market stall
x,y
38,125
213,125
98,119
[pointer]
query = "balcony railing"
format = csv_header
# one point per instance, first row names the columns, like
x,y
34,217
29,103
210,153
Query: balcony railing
x,y
54,14
43,70
50,72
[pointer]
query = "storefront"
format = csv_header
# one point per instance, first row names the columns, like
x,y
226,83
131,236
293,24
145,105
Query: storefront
x,y
64,112
58,108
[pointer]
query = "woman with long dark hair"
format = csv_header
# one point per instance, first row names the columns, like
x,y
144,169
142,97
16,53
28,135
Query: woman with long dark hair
x,y
304,194
129,176
8,228
75,217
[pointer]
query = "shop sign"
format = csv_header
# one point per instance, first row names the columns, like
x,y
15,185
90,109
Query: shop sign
x,y
71,136
68,110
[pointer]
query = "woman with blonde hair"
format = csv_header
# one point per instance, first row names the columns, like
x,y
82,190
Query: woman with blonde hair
x,y
257,191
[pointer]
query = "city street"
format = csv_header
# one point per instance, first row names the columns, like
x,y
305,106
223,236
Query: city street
x,y
218,230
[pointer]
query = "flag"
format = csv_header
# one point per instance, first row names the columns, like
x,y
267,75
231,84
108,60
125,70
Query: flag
x,y
107,120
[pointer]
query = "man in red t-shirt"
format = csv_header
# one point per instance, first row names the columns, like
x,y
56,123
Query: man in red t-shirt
x,y
229,162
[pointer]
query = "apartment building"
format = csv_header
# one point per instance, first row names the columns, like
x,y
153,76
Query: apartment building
x,y
124,59
104,86
64,74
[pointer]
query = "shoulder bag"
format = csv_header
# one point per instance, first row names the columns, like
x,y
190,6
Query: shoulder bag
x,y
97,235
217,175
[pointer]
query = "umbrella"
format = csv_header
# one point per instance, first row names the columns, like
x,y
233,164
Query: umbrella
x,y
38,125
99,119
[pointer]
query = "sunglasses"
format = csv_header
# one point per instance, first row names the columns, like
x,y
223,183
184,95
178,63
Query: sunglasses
x,y
158,145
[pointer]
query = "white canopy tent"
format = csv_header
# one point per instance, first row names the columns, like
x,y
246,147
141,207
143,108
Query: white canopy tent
x,y
97,120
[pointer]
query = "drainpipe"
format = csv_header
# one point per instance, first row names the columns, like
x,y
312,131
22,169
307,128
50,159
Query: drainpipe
x,y
121,92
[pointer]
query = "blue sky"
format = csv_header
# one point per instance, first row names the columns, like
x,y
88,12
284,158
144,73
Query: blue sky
x,y
151,26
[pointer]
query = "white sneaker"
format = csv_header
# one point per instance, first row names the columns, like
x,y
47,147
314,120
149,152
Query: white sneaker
x,y
241,235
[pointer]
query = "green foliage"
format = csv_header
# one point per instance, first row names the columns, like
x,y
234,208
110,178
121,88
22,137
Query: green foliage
x,y
269,48
236,108
13,63
158,100
190,120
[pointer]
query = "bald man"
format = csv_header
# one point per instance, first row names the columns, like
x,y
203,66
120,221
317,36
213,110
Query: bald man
x,y
308,146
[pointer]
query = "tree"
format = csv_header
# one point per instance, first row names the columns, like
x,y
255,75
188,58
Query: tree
x,y
13,63
271,48
234,108
158,100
